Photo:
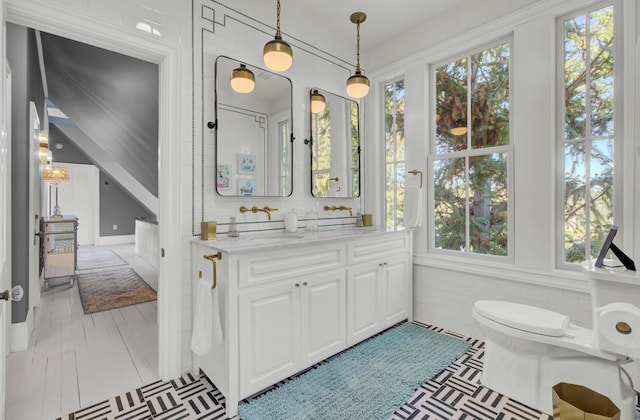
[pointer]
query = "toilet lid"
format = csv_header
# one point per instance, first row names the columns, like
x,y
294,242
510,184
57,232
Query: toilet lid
x,y
524,317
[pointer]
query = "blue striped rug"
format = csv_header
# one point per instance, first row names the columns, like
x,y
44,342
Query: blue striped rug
x,y
368,381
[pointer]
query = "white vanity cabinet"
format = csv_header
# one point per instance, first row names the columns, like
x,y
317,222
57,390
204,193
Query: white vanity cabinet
x,y
378,285
287,307
288,326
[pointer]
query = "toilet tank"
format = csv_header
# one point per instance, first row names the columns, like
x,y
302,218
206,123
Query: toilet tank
x,y
608,285
615,300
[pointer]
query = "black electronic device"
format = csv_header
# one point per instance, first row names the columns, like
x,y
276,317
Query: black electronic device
x,y
609,245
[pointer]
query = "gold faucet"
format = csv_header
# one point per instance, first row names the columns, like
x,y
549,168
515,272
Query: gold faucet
x,y
333,208
255,209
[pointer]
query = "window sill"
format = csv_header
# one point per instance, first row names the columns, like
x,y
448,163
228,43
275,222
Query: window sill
x,y
559,279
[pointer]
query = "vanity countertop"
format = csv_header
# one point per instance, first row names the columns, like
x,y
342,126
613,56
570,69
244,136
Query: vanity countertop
x,y
248,242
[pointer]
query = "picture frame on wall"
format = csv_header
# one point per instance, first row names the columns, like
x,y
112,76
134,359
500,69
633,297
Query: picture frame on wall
x,y
246,163
247,187
223,177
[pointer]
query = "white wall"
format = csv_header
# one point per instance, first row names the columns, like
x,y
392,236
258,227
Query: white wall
x,y
80,197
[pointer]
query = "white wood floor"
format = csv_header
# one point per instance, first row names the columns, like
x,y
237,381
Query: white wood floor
x,y
76,360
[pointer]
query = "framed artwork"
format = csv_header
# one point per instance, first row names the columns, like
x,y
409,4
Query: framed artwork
x,y
246,164
247,187
223,178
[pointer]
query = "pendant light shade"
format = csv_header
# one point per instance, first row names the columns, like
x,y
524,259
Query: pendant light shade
x,y
318,102
242,79
277,54
459,131
358,83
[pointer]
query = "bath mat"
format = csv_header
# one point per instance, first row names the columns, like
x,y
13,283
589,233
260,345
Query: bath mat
x,y
110,289
368,381
90,260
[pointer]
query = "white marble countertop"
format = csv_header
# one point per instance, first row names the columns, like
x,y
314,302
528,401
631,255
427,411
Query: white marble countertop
x,y
248,242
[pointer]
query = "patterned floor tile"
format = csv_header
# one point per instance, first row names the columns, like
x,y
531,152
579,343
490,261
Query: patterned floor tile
x,y
455,393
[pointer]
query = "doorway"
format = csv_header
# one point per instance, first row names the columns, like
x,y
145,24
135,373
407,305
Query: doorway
x,y
166,56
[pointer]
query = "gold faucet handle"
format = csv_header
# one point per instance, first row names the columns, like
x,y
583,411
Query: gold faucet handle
x,y
243,209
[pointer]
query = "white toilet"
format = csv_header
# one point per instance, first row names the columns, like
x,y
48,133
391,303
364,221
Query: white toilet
x,y
528,350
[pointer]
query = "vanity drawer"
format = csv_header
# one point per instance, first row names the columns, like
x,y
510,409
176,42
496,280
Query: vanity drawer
x,y
376,248
289,262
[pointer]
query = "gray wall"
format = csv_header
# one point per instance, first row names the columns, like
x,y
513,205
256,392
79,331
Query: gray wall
x,y
112,98
26,85
117,207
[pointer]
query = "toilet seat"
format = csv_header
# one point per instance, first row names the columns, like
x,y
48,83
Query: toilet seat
x,y
575,337
524,317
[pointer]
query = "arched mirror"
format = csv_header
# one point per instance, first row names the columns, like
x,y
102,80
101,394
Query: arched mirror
x,y
253,130
335,145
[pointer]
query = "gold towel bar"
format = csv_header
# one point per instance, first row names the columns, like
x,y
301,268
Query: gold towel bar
x,y
213,259
416,172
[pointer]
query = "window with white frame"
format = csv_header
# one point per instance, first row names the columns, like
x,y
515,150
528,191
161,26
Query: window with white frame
x,y
588,131
394,153
470,151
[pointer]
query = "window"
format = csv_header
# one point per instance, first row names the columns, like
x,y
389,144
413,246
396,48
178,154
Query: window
x,y
470,152
588,132
394,153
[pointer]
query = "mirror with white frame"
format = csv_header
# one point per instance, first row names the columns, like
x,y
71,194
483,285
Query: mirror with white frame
x,y
253,132
335,145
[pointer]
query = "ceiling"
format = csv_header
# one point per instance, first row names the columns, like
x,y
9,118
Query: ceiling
x,y
392,29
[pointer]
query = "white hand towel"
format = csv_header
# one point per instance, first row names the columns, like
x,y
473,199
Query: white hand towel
x,y
217,324
202,320
412,203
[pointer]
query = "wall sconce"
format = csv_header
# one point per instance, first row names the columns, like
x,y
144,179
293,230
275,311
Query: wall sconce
x,y
242,79
318,102
277,54
358,84
56,176
44,146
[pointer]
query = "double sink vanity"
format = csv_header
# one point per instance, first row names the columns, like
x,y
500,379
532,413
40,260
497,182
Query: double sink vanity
x,y
290,300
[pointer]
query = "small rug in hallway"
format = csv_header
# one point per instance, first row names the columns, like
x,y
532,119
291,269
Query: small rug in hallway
x,y
368,381
89,260
110,289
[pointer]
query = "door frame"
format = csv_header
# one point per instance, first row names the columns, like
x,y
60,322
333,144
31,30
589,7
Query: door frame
x,y
100,34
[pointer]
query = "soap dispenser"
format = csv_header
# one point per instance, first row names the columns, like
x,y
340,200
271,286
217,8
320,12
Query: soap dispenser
x,y
358,219
233,228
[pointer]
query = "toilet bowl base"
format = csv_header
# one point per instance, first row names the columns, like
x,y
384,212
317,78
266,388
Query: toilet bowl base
x,y
526,371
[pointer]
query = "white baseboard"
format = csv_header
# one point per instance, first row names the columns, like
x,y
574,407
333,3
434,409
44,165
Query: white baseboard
x,y
19,334
116,240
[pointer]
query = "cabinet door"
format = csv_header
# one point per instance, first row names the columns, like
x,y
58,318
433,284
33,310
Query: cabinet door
x,y
269,336
395,290
323,330
363,302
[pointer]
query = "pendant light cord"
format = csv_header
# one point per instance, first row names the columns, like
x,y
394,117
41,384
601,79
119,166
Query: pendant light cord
x,y
278,34
357,47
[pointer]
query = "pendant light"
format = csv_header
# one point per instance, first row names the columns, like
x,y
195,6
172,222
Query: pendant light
x,y
277,54
242,79
358,84
459,131
318,102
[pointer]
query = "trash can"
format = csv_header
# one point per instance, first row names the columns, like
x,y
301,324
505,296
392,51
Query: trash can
x,y
573,402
